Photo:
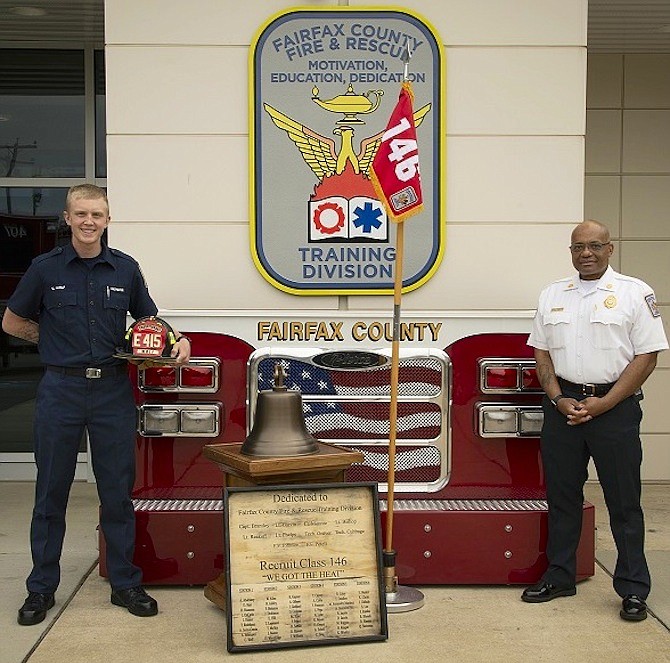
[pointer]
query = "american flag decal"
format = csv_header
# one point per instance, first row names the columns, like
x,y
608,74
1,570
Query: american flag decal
x,y
351,407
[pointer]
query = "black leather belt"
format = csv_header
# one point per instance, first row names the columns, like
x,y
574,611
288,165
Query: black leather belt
x,y
92,372
586,389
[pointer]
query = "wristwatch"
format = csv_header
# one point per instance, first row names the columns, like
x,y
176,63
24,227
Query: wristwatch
x,y
555,399
182,336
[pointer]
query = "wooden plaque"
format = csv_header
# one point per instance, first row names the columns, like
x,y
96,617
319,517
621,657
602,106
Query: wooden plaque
x,y
303,565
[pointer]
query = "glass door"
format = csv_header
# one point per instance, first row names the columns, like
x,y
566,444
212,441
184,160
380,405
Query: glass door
x,y
52,136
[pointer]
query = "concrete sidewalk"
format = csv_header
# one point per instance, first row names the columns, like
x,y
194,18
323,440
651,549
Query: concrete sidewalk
x,y
464,622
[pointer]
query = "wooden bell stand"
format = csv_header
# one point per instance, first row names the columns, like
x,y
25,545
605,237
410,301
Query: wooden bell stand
x,y
327,465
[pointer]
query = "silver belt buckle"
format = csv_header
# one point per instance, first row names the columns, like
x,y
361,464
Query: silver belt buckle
x,y
92,373
589,389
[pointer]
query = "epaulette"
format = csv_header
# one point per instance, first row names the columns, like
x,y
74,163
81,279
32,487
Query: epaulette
x,y
121,254
563,281
45,256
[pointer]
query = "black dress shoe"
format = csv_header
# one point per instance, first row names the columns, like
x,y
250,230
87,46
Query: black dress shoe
x,y
633,608
544,591
34,608
136,600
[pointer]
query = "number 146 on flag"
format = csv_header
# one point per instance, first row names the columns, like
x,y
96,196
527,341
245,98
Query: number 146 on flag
x,y
395,168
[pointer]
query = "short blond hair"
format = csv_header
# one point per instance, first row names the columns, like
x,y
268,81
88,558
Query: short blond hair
x,y
87,191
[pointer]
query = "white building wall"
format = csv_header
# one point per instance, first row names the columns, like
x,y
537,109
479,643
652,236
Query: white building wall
x,y
177,108
177,103
627,186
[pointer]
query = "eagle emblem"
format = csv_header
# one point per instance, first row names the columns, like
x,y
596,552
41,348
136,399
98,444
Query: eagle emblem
x,y
344,204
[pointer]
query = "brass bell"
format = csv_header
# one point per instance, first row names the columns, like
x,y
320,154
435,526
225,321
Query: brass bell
x,y
279,426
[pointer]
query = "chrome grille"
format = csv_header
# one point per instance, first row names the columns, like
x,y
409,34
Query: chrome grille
x,y
347,403
465,505
398,505
178,505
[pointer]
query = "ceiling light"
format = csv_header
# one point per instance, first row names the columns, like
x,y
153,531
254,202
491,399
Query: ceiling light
x,y
27,11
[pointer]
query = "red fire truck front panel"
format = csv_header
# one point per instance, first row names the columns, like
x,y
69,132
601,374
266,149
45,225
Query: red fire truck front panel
x,y
492,542
470,500
169,456
505,467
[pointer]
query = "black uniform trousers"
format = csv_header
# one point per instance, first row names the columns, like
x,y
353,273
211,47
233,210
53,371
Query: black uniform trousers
x,y
613,441
65,406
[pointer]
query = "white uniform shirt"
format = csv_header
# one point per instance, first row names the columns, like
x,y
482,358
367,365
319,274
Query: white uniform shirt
x,y
592,336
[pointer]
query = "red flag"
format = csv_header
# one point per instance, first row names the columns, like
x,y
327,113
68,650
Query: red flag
x,y
395,168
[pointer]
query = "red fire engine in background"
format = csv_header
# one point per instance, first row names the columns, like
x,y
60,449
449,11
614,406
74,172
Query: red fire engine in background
x,y
470,504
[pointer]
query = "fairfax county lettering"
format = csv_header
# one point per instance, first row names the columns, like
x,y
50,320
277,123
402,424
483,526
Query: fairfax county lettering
x,y
357,36
311,330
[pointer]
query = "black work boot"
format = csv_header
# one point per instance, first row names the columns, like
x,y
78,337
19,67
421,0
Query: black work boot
x,y
136,601
34,608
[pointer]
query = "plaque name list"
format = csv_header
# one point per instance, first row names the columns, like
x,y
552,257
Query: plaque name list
x,y
303,565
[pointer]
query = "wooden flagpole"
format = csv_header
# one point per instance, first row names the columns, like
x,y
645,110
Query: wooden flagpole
x,y
395,379
398,598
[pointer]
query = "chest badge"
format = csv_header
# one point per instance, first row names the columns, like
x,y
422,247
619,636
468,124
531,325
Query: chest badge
x,y
610,302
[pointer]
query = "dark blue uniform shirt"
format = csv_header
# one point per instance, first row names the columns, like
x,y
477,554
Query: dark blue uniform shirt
x,y
81,305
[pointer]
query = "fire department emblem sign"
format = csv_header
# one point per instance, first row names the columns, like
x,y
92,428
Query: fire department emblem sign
x,y
323,85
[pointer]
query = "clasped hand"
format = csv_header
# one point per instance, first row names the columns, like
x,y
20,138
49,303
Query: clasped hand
x,y
579,412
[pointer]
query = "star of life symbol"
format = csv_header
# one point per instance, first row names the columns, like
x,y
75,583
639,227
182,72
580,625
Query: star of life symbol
x,y
343,205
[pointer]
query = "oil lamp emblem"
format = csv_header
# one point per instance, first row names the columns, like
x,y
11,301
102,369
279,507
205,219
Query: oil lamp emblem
x,y
350,104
